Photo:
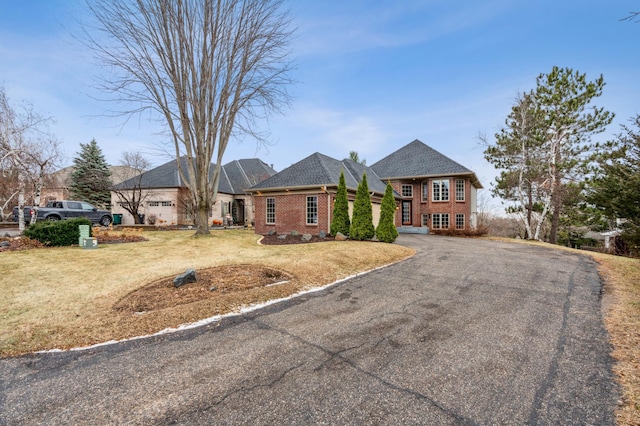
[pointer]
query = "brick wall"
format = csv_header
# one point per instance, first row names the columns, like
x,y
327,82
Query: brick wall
x,y
291,213
419,208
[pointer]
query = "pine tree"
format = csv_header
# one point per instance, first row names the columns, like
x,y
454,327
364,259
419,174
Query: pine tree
x,y
90,180
340,222
386,230
362,221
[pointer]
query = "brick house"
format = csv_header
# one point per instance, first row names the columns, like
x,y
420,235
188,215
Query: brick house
x,y
436,192
300,198
432,192
167,199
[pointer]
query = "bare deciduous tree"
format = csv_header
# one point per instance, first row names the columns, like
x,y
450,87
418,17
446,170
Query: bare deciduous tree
x,y
210,68
28,153
131,193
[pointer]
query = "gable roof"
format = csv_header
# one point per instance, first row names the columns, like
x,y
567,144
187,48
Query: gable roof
x,y
416,160
321,170
235,177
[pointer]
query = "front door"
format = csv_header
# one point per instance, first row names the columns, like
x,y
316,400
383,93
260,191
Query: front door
x,y
406,213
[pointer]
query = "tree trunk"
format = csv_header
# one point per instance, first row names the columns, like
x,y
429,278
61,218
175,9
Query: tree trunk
x,y
202,220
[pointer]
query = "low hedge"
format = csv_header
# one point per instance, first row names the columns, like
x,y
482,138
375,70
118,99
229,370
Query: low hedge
x,y
58,233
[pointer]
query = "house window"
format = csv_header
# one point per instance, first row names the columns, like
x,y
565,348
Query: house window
x,y
440,220
425,220
271,210
407,191
226,208
459,190
165,203
312,210
459,221
440,190
154,203
425,191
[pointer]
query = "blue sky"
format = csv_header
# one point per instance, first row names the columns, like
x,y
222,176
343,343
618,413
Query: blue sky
x,y
373,75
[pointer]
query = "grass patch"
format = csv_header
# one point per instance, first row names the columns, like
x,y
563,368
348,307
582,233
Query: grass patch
x,y
66,297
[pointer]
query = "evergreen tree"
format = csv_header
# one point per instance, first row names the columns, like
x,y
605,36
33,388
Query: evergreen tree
x,y
614,190
341,222
90,180
386,230
362,221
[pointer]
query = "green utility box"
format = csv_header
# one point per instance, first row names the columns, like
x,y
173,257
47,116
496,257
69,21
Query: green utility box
x,y
90,243
85,232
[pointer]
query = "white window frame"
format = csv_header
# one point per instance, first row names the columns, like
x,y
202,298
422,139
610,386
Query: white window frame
x,y
425,220
437,190
270,214
460,221
460,191
425,192
312,210
438,221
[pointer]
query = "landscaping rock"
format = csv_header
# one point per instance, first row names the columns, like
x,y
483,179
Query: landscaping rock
x,y
322,235
306,237
272,232
282,236
5,244
341,237
189,276
294,233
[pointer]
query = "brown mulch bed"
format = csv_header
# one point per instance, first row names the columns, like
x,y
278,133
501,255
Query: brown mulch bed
x,y
25,243
273,240
211,283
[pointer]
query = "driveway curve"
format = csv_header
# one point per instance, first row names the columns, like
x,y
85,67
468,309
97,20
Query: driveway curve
x,y
465,332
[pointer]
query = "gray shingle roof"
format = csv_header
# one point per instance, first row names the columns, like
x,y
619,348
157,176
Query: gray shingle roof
x,y
235,177
416,160
321,170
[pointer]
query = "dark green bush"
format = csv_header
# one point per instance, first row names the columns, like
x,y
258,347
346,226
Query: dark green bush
x,y
386,230
341,221
58,233
362,221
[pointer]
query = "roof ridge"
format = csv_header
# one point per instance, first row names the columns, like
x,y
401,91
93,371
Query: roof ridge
x,y
345,166
244,175
323,165
226,175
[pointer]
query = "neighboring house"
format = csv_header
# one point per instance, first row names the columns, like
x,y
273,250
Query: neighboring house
x,y
436,192
432,192
166,197
57,187
300,198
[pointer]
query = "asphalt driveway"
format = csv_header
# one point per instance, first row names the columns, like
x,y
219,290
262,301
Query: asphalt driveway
x,y
465,332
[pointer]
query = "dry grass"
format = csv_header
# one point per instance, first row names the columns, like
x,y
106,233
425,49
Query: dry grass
x,y
621,276
65,297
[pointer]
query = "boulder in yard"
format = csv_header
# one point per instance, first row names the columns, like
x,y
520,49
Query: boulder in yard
x,y
189,276
341,237
306,237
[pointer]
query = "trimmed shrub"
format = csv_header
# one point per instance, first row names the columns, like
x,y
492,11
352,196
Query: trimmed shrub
x,y
386,230
340,222
58,233
362,222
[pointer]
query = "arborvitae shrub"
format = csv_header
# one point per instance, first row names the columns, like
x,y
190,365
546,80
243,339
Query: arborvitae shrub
x,y
386,230
58,233
362,221
341,222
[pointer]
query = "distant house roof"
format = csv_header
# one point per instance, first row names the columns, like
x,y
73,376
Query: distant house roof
x,y
321,170
235,177
417,160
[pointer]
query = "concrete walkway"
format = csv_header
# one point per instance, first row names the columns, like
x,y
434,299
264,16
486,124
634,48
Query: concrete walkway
x,y
465,332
